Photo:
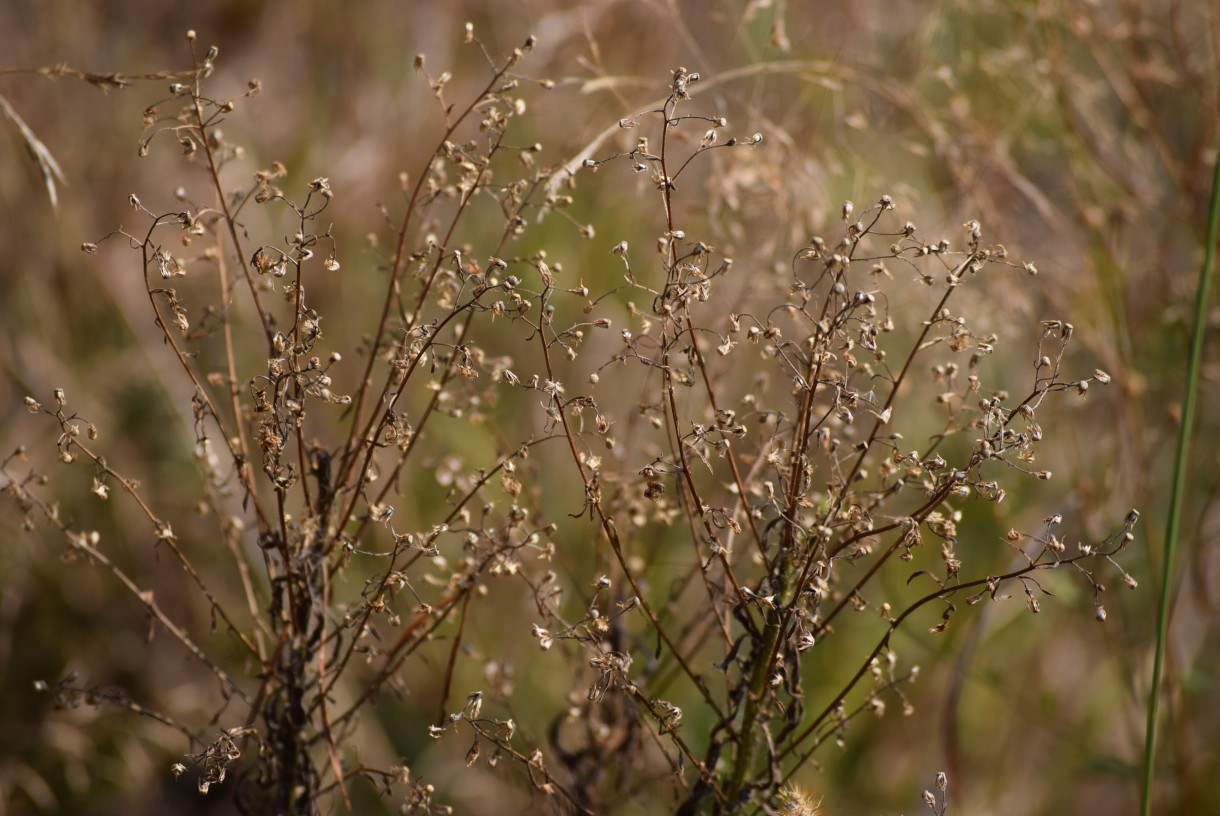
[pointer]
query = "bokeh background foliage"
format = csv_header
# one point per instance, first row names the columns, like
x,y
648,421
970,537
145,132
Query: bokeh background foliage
x,y
1081,134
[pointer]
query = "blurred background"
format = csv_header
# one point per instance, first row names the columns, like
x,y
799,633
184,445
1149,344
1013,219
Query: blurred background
x,y
1080,134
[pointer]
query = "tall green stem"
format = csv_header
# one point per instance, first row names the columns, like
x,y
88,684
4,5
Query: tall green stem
x,y
1202,293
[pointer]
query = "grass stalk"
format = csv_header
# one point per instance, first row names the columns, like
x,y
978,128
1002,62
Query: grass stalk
x,y
1185,429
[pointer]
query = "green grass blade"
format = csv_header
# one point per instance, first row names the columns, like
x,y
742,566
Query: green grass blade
x,y
1202,293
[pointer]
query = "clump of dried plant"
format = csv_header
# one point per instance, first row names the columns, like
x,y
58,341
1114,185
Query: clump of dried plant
x,y
691,473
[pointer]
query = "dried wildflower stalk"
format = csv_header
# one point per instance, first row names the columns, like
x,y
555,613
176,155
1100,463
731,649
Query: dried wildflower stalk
x,y
742,473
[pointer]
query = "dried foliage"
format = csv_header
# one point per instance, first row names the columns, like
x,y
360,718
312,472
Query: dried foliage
x,y
666,463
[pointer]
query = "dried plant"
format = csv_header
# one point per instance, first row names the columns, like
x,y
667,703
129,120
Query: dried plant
x,y
692,470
